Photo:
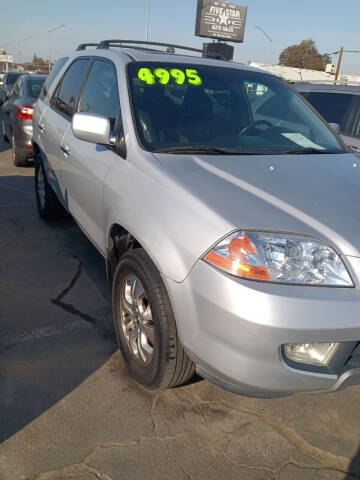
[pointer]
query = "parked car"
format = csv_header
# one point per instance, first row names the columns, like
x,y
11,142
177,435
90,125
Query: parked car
x,y
339,105
17,113
8,81
226,225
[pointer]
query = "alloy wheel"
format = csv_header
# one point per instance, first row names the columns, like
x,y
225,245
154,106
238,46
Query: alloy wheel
x,y
136,320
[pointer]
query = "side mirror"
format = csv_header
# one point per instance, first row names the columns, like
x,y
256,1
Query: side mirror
x,y
91,128
335,127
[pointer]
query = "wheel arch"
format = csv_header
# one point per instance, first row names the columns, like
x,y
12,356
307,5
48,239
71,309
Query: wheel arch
x,y
119,241
36,148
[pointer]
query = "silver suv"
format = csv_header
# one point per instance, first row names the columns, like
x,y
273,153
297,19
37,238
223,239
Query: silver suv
x,y
225,209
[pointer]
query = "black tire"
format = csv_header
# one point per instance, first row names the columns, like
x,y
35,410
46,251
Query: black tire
x,y
170,366
3,132
19,159
48,204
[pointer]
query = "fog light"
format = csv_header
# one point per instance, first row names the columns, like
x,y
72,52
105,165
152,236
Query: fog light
x,y
311,353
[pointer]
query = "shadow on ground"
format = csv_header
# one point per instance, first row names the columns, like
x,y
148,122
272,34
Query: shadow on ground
x,y
4,146
55,309
354,468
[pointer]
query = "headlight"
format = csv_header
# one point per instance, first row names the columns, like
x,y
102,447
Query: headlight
x,y
311,353
280,258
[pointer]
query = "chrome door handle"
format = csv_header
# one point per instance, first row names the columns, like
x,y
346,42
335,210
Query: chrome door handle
x,y
65,149
41,127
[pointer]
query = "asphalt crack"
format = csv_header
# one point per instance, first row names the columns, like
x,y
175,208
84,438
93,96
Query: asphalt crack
x,y
72,283
77,470
325,460
245,465
107,333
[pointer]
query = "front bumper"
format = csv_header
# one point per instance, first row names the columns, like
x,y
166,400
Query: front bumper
x,y
233,329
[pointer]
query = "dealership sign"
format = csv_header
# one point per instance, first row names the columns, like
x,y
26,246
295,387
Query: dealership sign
x,y
6,58
221,20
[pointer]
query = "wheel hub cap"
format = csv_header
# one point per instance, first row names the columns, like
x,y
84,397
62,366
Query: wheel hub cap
x,y
136,320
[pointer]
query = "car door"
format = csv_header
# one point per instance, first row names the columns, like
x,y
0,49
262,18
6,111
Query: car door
x,y
86,165
43,102
57,119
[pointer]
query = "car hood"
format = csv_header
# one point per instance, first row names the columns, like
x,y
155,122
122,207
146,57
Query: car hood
x,y
309,194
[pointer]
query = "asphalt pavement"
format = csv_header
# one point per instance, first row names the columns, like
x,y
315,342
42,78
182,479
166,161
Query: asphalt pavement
x,y
69,410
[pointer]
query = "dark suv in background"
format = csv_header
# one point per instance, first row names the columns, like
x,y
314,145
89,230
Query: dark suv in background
x,y
338,104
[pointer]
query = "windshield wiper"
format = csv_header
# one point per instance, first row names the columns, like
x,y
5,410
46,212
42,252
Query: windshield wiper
x,y
307,150
206,150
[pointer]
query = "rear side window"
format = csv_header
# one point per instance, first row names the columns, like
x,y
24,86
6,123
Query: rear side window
x,y
101,91
332,106
68,93
356,128
52,75
15,93
11,78
35,86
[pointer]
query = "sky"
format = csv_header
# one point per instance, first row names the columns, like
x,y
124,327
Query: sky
x,y
329,23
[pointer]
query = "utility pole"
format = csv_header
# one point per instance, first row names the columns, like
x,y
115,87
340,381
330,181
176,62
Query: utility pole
x,y
147,19
339,63
19,45
267,36
49,41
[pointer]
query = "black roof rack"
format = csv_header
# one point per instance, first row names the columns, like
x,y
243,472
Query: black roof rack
x,y
128,44
83,46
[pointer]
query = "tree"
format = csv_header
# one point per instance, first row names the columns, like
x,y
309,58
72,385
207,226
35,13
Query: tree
x,y
304,55
38,61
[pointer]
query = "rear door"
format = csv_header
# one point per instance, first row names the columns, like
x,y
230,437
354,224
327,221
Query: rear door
x,y
57,118
43,101
86,165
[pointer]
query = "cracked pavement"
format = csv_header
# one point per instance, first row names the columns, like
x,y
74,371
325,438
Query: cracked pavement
x,y
69,410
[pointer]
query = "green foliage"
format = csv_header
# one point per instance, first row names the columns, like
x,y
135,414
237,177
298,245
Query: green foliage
x,y
304,55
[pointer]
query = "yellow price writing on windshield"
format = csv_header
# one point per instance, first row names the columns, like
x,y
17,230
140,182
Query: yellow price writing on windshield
x,y
163,76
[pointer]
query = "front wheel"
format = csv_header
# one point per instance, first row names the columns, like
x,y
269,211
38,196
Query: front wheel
x,y
4,132
145,324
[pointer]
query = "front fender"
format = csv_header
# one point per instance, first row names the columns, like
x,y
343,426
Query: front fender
x,y
174,227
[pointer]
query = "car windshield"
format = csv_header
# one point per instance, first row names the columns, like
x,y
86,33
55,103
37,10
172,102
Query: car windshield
x,y
180,106
35,86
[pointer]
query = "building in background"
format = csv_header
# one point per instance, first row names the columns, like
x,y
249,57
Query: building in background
x,y
293,74
6,61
